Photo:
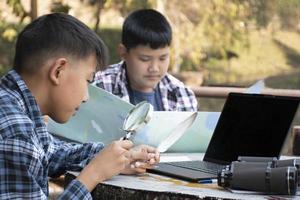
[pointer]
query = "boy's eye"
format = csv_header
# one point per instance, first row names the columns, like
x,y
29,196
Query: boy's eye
x,y
165,57
145,59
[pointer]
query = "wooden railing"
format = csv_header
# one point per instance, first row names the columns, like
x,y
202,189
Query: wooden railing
x,y
222,92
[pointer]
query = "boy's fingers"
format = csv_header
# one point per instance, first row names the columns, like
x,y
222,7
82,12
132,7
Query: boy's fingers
x,y
126,144
139,155
148,149
140,170
141,165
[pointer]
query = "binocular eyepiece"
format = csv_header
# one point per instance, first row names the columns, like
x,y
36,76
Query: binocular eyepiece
x,y
267,175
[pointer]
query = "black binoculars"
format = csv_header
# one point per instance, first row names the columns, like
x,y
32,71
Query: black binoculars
x,y
262,174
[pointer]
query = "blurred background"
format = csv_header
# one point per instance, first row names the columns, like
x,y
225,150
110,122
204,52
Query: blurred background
x,y
216,42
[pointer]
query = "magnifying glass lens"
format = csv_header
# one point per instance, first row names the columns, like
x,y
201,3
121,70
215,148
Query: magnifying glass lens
x,y
138,116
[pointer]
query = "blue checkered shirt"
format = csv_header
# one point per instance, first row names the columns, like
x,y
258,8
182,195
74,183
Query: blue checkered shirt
x,y
175,96
28,153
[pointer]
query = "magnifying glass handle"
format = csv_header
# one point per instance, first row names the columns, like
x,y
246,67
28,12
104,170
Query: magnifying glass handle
x,y
127,136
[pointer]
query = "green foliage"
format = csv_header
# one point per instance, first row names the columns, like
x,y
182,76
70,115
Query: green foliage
x,y
126,6
289,13
59,6
205,29
17,9
261,12
225,25
8,36
234,41
277,57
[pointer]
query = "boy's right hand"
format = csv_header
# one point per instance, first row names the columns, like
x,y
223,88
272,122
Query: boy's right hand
x,y
108,162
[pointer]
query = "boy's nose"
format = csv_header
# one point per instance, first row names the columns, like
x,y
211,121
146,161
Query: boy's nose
x,y
154,67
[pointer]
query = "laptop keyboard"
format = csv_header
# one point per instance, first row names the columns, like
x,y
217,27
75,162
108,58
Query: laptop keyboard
x,y
202,166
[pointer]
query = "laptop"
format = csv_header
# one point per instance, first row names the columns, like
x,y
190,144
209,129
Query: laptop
x,y
249,125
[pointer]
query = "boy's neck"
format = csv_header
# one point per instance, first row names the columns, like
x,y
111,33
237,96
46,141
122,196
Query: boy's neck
x,y
36,85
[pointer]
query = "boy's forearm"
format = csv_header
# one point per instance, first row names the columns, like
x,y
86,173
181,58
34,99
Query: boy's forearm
x,y
89,178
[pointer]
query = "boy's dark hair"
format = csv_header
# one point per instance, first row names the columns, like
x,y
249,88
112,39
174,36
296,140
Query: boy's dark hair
x,y
54,34
146,27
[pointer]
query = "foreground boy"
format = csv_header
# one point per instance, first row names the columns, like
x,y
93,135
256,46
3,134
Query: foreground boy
x,y
142,75
56,58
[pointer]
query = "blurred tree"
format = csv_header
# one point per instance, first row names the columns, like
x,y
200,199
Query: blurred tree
x,y
19,11
225,25
289,14
205,29
261,12
59,6
126,6
98,5
33,11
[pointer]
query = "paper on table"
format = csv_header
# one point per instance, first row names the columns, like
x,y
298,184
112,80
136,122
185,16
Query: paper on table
x,y
195,138
101,119
176,133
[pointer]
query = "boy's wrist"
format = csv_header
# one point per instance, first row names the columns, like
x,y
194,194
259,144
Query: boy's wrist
x,y
90,178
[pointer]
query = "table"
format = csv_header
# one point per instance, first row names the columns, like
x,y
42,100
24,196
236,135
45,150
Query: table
x,y
151,186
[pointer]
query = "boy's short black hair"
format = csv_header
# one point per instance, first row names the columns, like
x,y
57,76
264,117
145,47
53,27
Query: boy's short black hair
x,y
146,27
55,34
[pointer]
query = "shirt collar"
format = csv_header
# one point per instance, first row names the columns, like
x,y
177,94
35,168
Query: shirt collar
x,y
14,82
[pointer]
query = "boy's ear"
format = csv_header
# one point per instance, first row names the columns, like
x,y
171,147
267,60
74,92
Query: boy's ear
x,y
57,70
122,51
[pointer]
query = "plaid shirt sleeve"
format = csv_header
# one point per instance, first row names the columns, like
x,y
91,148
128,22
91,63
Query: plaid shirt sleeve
x,y
21,164
70,156
75,190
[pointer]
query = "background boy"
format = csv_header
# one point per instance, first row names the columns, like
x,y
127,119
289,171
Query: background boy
x,y
56,58
142,75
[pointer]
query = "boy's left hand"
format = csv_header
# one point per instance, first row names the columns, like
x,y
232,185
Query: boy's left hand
x,y
142,157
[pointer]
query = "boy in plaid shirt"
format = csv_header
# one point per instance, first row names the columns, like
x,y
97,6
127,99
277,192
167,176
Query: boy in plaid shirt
x,y
56,58
142,73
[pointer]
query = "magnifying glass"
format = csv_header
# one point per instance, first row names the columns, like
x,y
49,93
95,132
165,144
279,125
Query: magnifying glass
x,y
137,118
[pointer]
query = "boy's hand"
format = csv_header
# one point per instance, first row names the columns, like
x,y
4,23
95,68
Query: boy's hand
x,y
108,162
141,158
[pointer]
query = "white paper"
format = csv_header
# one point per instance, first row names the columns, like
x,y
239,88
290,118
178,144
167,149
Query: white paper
x,y
256,88
195,139
176,133
101,118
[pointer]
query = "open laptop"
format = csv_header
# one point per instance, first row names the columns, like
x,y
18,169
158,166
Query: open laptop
x,y
249,125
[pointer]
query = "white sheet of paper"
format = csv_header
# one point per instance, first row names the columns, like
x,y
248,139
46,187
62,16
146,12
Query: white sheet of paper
x,y
99,119
256,88
177,132
195,139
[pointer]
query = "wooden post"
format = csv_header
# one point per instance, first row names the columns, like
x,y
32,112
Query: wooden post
x,y
33,9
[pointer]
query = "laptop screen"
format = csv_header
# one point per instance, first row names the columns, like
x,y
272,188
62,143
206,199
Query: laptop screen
x,y
251,125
